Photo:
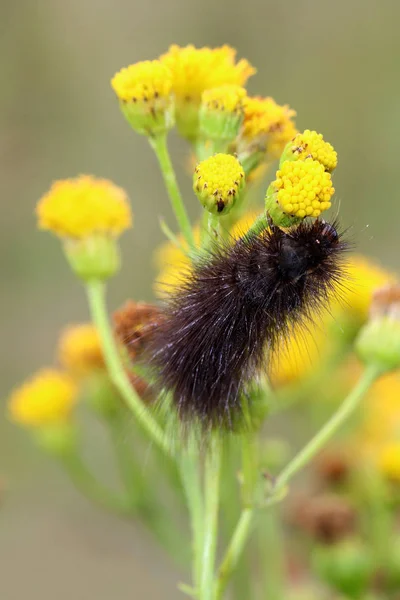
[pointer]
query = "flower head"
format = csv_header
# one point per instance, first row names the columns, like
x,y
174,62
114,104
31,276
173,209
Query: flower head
x,y
267,127
225,98
80,350
389,460
221,112
311,144
301,189
78,208
197,69
46,399
218,181
144,90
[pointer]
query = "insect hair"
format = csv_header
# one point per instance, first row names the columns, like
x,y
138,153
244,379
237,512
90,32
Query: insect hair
x,y
239,302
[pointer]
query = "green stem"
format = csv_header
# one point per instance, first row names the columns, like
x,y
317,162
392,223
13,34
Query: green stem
x,y
258,226
129,471
86,483
96,296
271,552
212,472
345,410
159,145
190,474
234,551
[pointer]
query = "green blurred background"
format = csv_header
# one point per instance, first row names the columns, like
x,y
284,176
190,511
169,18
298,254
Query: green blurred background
x,y
336,63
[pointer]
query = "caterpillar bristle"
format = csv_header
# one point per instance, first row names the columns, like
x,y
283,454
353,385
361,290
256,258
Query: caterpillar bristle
x,y
237,304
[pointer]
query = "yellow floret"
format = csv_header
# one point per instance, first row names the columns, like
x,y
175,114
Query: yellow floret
x,y
143,82
77,208
304,188
389,460
197,69
80,350
225,98
267,124
46,399
312,144
217,181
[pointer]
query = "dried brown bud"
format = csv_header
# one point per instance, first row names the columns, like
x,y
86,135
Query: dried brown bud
x,y
133,324
333,466
327,518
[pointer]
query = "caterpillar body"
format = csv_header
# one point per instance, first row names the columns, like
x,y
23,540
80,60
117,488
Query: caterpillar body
x,y
238,304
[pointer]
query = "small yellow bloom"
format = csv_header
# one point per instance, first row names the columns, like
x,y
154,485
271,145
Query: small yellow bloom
x,y
80,350
46,399
218,181
225,98
144,81
267,126
197,69
145,93
389,460
311,144
78,208
303,188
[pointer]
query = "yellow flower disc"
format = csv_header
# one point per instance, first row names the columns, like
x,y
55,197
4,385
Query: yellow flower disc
x,y
46,399
197,69
143,81
225,98
267,123
217,181
304,188
78,208
312,144
80,349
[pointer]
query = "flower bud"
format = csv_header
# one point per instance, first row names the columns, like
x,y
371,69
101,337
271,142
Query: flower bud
x,y
221,113
378,342
218,182
310,144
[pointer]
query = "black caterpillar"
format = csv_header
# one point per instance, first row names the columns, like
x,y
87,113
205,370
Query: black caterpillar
x,y
239,302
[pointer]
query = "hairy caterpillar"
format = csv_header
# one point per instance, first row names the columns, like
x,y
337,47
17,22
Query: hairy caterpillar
x,y
239,302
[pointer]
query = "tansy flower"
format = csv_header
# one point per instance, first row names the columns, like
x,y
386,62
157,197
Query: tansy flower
x,y
144,90
88,214
197,69
80,350
221,113
302,188
218,182
311,144
267,128
48,398
80,207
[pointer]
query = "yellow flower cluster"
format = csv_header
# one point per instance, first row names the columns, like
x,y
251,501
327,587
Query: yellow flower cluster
x,y
143,82
47,399
78,208
217,181
304,188
197,69
225,98
267,124
312,144
80,350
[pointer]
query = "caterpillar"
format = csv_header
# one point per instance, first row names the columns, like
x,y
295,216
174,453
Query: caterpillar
x,y
237,304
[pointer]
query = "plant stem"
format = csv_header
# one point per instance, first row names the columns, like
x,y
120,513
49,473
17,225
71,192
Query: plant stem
x,y
96,296
190,474
271,552
212,472
86,483
159,145
234,551
345,410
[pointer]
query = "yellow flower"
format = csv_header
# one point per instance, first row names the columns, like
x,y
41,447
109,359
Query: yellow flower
x,y
80,349
267,126
311,144
225,98
46,399
389,460
195,70
143,82
218,181
78,208
303,188
145,93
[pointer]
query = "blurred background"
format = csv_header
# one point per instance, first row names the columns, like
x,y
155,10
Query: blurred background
x,y
336,64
